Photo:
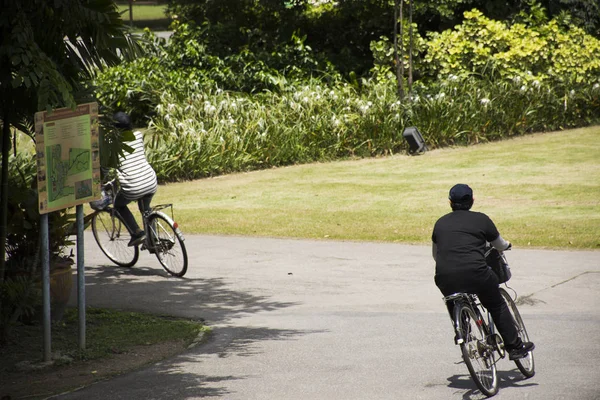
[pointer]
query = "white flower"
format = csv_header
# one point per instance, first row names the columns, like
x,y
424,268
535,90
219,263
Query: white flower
x,y
517,79
523,88
536,83
209,108
596,86
452,78
305,99
440,96
485,101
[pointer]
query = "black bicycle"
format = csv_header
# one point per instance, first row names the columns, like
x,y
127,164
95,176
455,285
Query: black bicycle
x,y
481,346
163,236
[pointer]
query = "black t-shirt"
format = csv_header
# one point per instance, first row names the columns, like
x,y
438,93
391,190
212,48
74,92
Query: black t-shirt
x,y
460,237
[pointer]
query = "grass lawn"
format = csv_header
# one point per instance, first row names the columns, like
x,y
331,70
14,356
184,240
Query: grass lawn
x,y
143,12
150,16
542,190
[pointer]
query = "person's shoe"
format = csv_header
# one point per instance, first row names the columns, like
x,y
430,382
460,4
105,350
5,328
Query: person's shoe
x,y
137,239
520,352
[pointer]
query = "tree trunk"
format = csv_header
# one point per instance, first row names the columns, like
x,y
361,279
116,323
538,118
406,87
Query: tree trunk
x,y
410,50
4,190
399,54
131,12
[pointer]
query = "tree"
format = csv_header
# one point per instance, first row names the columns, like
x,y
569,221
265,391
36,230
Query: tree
x,y
49,52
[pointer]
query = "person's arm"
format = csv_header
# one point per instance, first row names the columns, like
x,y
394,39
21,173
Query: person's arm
x,y
434,250
500,244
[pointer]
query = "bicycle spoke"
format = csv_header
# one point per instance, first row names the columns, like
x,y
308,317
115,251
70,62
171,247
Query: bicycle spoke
x,y
477,353
113,238
167,245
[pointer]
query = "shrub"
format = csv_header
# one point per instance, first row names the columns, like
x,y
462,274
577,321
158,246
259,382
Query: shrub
x,y
545,53
216,131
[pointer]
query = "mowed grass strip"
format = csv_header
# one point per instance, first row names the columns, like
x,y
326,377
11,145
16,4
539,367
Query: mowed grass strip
x,y
143,12
542,190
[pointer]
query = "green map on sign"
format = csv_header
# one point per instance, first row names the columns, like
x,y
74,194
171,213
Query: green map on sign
x,y
59,170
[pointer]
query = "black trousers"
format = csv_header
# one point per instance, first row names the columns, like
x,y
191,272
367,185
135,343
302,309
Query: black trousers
x,y
488,291
121,206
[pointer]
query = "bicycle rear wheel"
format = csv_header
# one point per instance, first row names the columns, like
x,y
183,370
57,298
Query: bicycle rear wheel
x,y
113,238
526,364
167,243
476,352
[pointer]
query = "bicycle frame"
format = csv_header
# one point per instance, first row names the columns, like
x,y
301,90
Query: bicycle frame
x,y
156,210
488,326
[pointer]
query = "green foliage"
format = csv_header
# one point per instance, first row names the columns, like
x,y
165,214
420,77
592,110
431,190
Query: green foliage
x,y
186,65
549,52
19,297
44,65
234,25
213,114
22,242
469,110
216,132
383,54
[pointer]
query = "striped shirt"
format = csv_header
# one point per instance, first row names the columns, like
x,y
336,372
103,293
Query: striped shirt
x,y
136,176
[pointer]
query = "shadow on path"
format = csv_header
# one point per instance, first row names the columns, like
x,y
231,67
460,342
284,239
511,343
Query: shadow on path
x,y
149,290
506,379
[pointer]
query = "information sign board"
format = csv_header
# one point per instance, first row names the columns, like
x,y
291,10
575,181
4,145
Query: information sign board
x,y
68,157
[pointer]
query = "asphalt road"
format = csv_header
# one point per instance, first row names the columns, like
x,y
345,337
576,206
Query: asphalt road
x,y
296,319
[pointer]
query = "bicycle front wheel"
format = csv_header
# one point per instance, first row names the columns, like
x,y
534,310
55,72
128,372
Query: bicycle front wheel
x,y
526,364
477,353
166,241
113,238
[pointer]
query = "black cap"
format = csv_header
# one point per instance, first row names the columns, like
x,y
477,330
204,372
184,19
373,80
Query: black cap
x,y
461,193
122,120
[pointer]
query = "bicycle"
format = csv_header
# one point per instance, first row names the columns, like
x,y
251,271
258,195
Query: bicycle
x,y
480,345
163,236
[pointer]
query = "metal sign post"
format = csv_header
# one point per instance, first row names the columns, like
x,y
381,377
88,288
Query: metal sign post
x,y
80,278
68,175
46,285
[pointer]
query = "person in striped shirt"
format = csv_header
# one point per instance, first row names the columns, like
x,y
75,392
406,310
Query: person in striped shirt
x,y
136,178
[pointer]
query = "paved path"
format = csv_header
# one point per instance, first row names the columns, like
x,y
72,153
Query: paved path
x,y
332,320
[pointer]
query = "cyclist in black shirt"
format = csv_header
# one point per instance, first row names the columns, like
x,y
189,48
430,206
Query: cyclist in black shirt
x,y
459,240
